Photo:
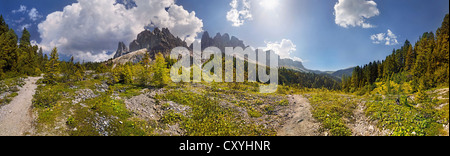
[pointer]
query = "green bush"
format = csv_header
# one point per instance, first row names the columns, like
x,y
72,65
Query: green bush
x,y
252,112
283,102
170,117
46,96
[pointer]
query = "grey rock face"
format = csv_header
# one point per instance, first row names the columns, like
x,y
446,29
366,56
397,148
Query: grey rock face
x,y
220,41
157,41
121,50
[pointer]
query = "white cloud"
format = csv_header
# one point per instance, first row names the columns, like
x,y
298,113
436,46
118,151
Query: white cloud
x,y
355,12
388,38
33,42
34,14
237,15
89,29
284,49
22,8
298,59
21,27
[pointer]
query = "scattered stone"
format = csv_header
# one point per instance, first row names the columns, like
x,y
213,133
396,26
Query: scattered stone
x,y
103,87
82,95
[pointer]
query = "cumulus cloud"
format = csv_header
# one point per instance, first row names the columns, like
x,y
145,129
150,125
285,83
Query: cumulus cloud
x,y
90,29
284,49
388,38
355,12
239,13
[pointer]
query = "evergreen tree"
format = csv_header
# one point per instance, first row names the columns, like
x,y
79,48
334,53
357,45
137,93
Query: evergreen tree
x,y
25,39
441,53
160,71
426,63
52,67
144,75
8,50
410,58
3,26
128,74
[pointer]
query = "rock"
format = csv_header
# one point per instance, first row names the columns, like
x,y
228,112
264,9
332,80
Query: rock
x,y
157,41
143,107
102,87
101,124
5,94
83,94
220,41
121,49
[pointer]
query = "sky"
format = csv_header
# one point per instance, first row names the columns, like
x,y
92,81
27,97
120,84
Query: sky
x,y
325,35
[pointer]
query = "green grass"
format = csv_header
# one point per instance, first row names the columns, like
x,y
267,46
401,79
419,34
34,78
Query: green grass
x,y
10,85
331,110
54,104
409,118
208,118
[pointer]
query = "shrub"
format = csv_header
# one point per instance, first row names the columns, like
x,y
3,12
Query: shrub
x,y
253,113
170,117
46,97
283,102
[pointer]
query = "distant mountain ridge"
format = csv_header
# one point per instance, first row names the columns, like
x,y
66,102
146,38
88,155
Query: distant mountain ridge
x,y
163,41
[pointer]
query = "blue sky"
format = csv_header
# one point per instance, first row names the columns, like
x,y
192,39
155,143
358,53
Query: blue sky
x,y
300,29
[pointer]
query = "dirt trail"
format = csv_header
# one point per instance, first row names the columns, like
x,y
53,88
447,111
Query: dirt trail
x,y
362,126
16,117
300,122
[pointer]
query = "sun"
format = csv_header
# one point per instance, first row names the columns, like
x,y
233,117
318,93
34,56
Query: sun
x,y
269,4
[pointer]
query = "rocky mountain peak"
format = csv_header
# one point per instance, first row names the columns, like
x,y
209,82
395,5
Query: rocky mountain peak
x,y
121,49
154,41
220,41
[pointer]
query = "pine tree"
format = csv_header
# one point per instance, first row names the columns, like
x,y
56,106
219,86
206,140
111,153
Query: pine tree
x,y
421,95
25,39
8,50
441,53
144,75
3,26
420,66
26,59
52,67
146,60
160,71
3,29
128,74
410,58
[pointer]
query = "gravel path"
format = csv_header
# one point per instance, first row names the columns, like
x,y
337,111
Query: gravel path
x,y
16,117
300,122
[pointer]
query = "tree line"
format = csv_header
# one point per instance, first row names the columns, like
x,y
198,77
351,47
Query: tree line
x,y
17,56
425,64
298,79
